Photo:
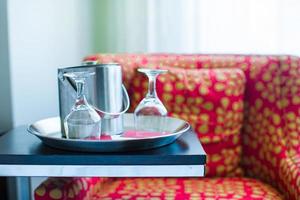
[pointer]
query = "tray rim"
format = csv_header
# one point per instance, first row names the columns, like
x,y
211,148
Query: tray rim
x,y
32,131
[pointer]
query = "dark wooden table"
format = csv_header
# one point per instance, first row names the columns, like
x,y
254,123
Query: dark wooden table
x,y
23,154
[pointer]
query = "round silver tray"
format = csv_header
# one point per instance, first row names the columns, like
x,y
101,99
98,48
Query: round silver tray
x,y
49,132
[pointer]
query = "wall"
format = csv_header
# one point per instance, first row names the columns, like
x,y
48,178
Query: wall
x,y
5,98
44,35
5,94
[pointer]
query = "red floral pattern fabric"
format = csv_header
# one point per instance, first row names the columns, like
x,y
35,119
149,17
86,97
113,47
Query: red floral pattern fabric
x,y
270,133
211,100
183,188
66,188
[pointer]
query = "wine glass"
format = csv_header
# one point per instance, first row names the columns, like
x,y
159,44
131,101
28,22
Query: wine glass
x,y
150,114
83,122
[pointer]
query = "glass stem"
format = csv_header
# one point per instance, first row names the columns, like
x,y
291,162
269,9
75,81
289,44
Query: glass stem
x,y
80,91
152,86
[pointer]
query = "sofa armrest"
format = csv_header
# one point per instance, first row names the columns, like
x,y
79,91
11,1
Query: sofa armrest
x,y
271,131
67,188
289,172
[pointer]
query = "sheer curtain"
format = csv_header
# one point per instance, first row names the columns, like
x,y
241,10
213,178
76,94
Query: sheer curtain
x,y
202,26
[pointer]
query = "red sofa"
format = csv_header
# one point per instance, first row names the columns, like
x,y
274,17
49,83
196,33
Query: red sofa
x,y
252,107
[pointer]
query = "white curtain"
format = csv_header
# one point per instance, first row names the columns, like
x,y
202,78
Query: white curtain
x,y
202,26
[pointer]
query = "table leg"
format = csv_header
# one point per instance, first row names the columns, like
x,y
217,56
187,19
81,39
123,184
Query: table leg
x,y
19,188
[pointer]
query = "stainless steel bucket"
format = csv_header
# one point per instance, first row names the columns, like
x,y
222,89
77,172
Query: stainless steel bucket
x,y
104,91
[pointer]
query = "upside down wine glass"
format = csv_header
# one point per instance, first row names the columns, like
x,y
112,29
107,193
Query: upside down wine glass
x,y
149,115
83,122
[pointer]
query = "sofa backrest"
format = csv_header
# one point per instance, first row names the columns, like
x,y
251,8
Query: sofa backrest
x,y
271,114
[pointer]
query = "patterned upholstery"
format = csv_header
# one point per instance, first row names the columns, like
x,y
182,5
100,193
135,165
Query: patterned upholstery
x,y
216,114
162,188
270,133
66,188
183,188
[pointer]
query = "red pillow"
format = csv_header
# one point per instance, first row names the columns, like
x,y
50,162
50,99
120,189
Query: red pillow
x,y
211,100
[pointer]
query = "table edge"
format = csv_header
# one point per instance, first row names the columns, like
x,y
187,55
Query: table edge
x,y
103,171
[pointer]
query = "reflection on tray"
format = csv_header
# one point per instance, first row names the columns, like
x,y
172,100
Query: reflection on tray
x,y
142,134
129,134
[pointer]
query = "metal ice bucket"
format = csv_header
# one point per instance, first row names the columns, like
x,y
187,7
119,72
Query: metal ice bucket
x,y
104,91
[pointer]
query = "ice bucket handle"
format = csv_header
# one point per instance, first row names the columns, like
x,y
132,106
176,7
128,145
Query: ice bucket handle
x,y
126,104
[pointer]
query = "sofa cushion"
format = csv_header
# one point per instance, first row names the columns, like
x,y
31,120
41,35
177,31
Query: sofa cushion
x,y
61,188
182,188
211,100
